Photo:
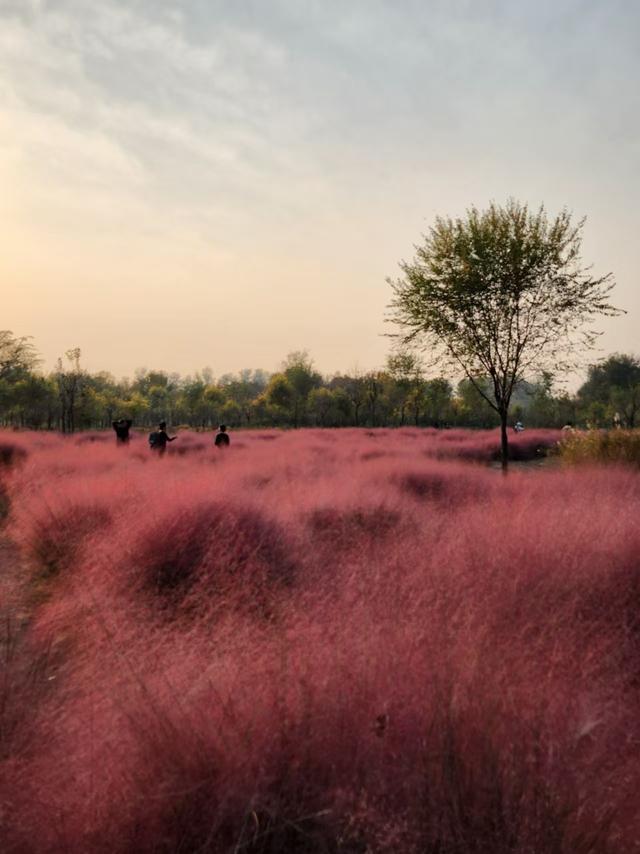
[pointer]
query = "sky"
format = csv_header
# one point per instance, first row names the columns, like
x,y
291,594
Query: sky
x,y
206,183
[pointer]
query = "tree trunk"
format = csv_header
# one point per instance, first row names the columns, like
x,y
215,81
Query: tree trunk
x,y
504,442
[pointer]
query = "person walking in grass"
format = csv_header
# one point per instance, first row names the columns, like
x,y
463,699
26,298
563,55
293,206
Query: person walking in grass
x,y
122,427
222,437
159,438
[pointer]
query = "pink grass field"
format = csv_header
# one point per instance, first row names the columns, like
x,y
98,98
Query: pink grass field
x,y
318,641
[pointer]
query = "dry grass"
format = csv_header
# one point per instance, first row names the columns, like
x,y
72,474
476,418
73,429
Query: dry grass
x,y
601,446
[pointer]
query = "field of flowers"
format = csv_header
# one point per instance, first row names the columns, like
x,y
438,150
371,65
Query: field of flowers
x,y
317,641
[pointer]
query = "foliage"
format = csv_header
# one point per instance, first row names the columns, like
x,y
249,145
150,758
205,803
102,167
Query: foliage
x,y
301,378
71,398
612,390
17,356
500,295
71,385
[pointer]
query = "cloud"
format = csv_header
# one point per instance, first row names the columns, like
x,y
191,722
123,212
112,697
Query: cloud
x,y
109,90
304,144
255,105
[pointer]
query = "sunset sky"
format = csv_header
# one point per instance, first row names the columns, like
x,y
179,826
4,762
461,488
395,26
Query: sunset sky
x,y
206,183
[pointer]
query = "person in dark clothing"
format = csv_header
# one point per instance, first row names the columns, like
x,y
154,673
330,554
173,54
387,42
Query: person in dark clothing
x,y
222,437
159,438
122,427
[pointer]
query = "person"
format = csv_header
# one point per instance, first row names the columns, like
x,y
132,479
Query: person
x,y
159,438
518,426
122,427
568,427
222,437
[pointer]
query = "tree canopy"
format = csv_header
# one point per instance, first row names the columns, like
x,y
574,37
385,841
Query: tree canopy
x,y
613,387
499,295
17,356
72,398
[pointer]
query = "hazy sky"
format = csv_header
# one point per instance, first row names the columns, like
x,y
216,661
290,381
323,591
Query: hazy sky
x,y
217,183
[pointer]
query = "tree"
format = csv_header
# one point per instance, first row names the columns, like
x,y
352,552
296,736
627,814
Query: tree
x,y
215,403
201,400
353,388
405,370
473,406
278,396
437,394
540,404
302,378
321,403
243,389
70,386
330,407
17,356
500,294
614,384
374,385
136,407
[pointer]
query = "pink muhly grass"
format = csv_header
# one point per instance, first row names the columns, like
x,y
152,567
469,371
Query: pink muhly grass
x,y
11,453
52,524
303,647
484,445
204,553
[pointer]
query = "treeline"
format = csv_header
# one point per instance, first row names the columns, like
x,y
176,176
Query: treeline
x,y
70,398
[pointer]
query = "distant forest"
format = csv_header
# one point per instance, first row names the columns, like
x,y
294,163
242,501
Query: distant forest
x,y
70,398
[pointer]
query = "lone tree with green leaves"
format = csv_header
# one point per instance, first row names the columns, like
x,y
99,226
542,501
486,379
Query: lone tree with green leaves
x,y
500,295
